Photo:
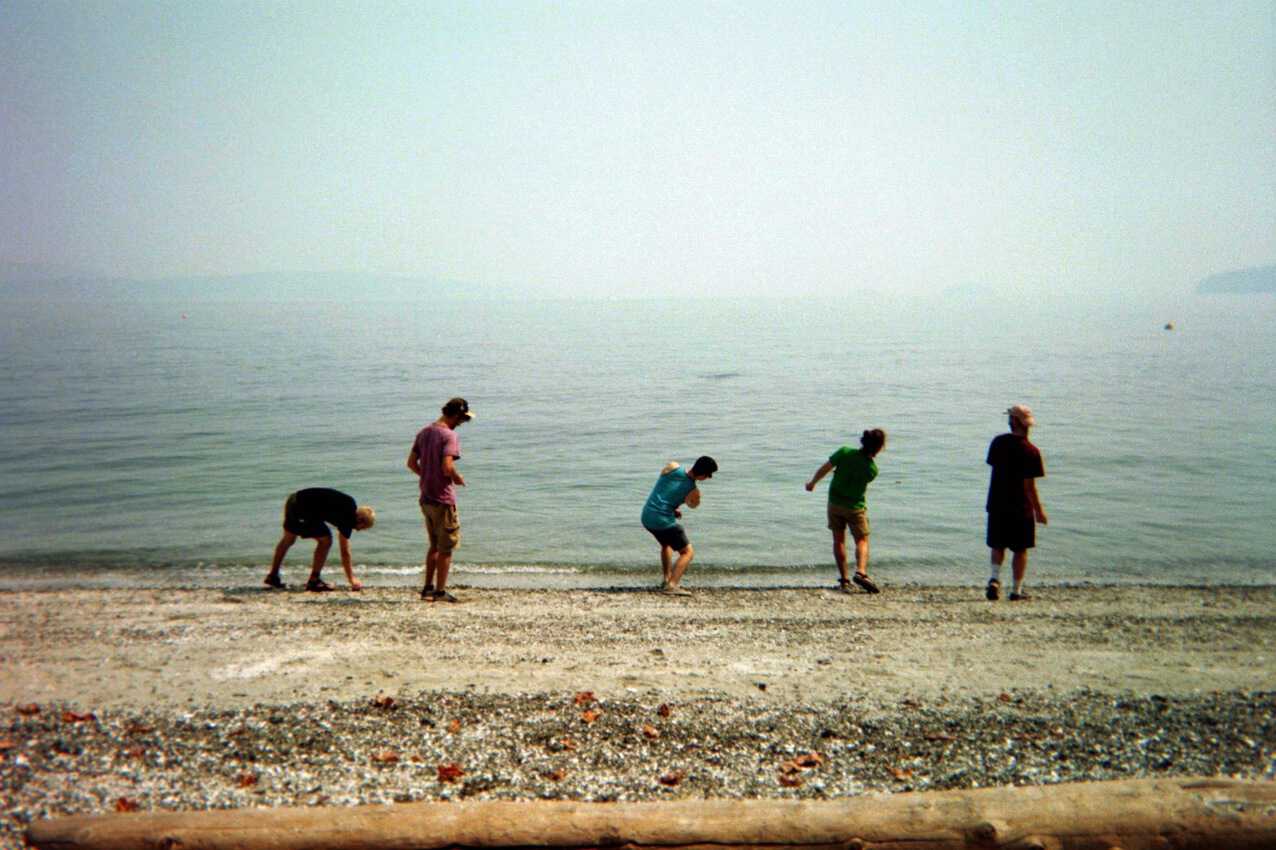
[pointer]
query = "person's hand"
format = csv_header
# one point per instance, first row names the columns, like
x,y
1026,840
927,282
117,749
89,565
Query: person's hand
x,y
1042,518
355,584
677,514
810,486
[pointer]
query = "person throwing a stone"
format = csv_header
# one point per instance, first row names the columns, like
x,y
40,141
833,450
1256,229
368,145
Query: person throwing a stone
x,y
307,514
852,470
662,511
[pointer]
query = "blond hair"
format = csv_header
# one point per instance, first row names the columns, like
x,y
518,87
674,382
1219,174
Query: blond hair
x,y
365,517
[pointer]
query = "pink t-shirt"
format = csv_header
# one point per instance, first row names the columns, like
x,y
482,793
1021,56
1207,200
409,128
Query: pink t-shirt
x,y
433,443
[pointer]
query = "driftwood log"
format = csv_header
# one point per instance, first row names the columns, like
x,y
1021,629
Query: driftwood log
x,y
1166,814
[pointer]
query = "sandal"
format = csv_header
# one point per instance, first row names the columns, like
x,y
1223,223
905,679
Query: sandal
x,y
1019,597
318,585
844,585
993,591
865,582
274,581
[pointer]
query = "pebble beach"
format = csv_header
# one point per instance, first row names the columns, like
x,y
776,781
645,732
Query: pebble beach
x,y
158,700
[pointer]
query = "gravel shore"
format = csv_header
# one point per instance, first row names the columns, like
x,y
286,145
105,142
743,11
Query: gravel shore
x,y
178,700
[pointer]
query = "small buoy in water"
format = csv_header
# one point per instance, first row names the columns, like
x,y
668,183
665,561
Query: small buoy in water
x,y
1169,326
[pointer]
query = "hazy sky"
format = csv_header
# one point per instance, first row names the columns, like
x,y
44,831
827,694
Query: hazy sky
x,y
675,147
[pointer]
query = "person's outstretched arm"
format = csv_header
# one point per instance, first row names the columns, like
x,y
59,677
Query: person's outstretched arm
x,y
347,562
819,473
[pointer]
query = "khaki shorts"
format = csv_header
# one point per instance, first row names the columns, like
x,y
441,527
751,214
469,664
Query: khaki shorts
x,y
841,518
442,525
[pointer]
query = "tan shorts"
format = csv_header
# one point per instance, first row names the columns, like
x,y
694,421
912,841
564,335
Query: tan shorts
x,y
442,526
841,518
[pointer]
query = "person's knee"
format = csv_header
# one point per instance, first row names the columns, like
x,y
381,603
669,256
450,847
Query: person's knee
x,y
323,544
688,552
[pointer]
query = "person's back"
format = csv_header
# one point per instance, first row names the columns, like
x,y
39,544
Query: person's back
x,y
1013,458
853,469
670,490
318,505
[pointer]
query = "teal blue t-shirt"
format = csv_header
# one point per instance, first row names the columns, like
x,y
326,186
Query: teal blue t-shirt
x,y
852,470
670,491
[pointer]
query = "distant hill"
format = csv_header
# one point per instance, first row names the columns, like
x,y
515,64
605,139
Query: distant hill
x,y
263,286
1257,279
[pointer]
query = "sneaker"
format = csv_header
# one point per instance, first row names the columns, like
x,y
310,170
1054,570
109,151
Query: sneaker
x,y
427,592
1019,597
318,585
865,582
993,592
274,581
844,586
444,596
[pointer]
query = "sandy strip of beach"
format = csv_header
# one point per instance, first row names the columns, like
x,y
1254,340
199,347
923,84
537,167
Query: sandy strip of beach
x,y
124,700
175,648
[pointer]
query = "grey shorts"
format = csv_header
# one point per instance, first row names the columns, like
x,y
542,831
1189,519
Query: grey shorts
x,y
675,536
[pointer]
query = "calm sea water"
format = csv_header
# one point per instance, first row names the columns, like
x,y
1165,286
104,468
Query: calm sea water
x,y
153,443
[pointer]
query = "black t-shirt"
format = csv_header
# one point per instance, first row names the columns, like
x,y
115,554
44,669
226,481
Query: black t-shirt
x,y
1012,459
317,505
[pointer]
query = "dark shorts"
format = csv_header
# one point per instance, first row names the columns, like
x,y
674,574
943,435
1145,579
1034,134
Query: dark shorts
x,y
675,536
1015,532
295,523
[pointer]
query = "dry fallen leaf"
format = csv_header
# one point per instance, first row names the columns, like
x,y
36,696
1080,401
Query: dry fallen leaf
x,y
809,760
124,804
584,697
385,757
138,729
246,780
7,744
673,778
556,775
1005,697
901,773
450,772
569,744
74,717
650,731
940,736
665,709
28,709
590,715
790,781
384,702
454,726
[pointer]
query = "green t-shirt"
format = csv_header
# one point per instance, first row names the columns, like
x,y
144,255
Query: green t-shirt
x,y
852,470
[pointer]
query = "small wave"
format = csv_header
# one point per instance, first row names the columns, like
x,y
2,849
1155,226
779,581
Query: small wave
x,y
494,569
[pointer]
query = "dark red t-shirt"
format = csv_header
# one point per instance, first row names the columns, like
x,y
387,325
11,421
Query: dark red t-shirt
x,y
1012,458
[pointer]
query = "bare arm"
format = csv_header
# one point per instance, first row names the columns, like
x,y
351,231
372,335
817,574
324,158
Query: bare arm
x,y
693,498
413,463
819,473
1030,490
450,470
347,563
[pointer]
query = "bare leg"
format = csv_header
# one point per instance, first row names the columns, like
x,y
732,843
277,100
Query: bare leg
x,y
442,563
666,564
281,549
322,545
431,565
839,554
680,566
861,556
1019,568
